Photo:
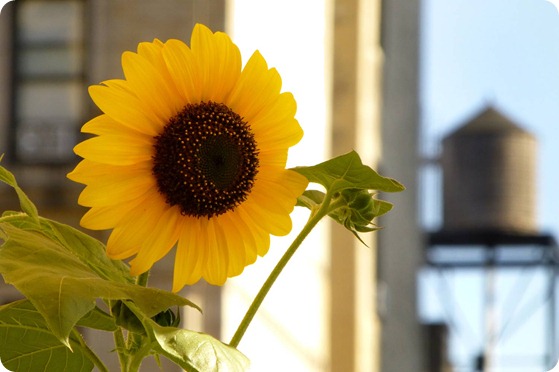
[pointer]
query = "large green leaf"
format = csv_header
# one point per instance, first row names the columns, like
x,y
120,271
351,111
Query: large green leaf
x,y
89,250
27,345
197,352
60,284
193,351
348,172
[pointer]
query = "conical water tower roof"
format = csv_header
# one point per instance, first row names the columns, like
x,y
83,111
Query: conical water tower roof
x,y
488,121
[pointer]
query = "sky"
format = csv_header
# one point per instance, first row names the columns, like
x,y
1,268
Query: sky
x,y
503,53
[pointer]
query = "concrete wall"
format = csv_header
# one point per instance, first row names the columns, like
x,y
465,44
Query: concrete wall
x,y
119,25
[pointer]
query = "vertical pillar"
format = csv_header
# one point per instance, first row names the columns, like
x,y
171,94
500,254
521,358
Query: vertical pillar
x,y
356,101
342,253
400,250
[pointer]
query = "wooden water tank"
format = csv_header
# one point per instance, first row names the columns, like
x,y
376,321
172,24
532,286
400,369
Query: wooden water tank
x,y
489,176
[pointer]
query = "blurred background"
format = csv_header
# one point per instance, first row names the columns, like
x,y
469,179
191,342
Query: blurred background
x,y
457,99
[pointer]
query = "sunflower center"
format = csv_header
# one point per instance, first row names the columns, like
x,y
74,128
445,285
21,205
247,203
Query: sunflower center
x,y
205,160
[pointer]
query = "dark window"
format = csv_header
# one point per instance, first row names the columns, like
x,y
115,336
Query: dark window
x,y
48,80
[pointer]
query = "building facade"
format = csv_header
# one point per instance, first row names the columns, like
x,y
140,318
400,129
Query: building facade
x,y
352,66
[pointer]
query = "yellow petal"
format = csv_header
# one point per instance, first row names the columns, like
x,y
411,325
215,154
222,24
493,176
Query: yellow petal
x,y
272,157
259,231
117,101
256,89
157,94
116,149
218,256
233,220
287,181
278,224
180,63
103,218
123,242
217,61
152,51
276,126
273,197
190,257
89,172
129,236
237,252
163,235
116,191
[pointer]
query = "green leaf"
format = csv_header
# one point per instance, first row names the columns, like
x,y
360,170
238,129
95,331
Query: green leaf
x,y
26,205
26,343
348,183
58,280
348,172
89,250
98,319
310,199
193,351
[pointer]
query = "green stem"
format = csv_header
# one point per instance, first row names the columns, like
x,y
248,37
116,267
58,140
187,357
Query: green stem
x,y
89,353
314,218
120,345
128,357
138,357
135,341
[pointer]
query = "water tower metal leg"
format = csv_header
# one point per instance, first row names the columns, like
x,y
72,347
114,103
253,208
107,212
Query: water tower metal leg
x,y
552,353
491,328
490,320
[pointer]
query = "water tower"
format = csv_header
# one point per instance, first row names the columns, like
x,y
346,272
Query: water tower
x,y
489,179
489,217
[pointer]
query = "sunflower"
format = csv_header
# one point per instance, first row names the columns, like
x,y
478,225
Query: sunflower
x,y
190,151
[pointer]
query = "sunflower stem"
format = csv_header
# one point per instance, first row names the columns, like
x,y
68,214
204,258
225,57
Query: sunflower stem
x,y
120,345
326,207
128,358
135,342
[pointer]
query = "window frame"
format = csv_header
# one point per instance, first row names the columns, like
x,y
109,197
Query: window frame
x,y
19,78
